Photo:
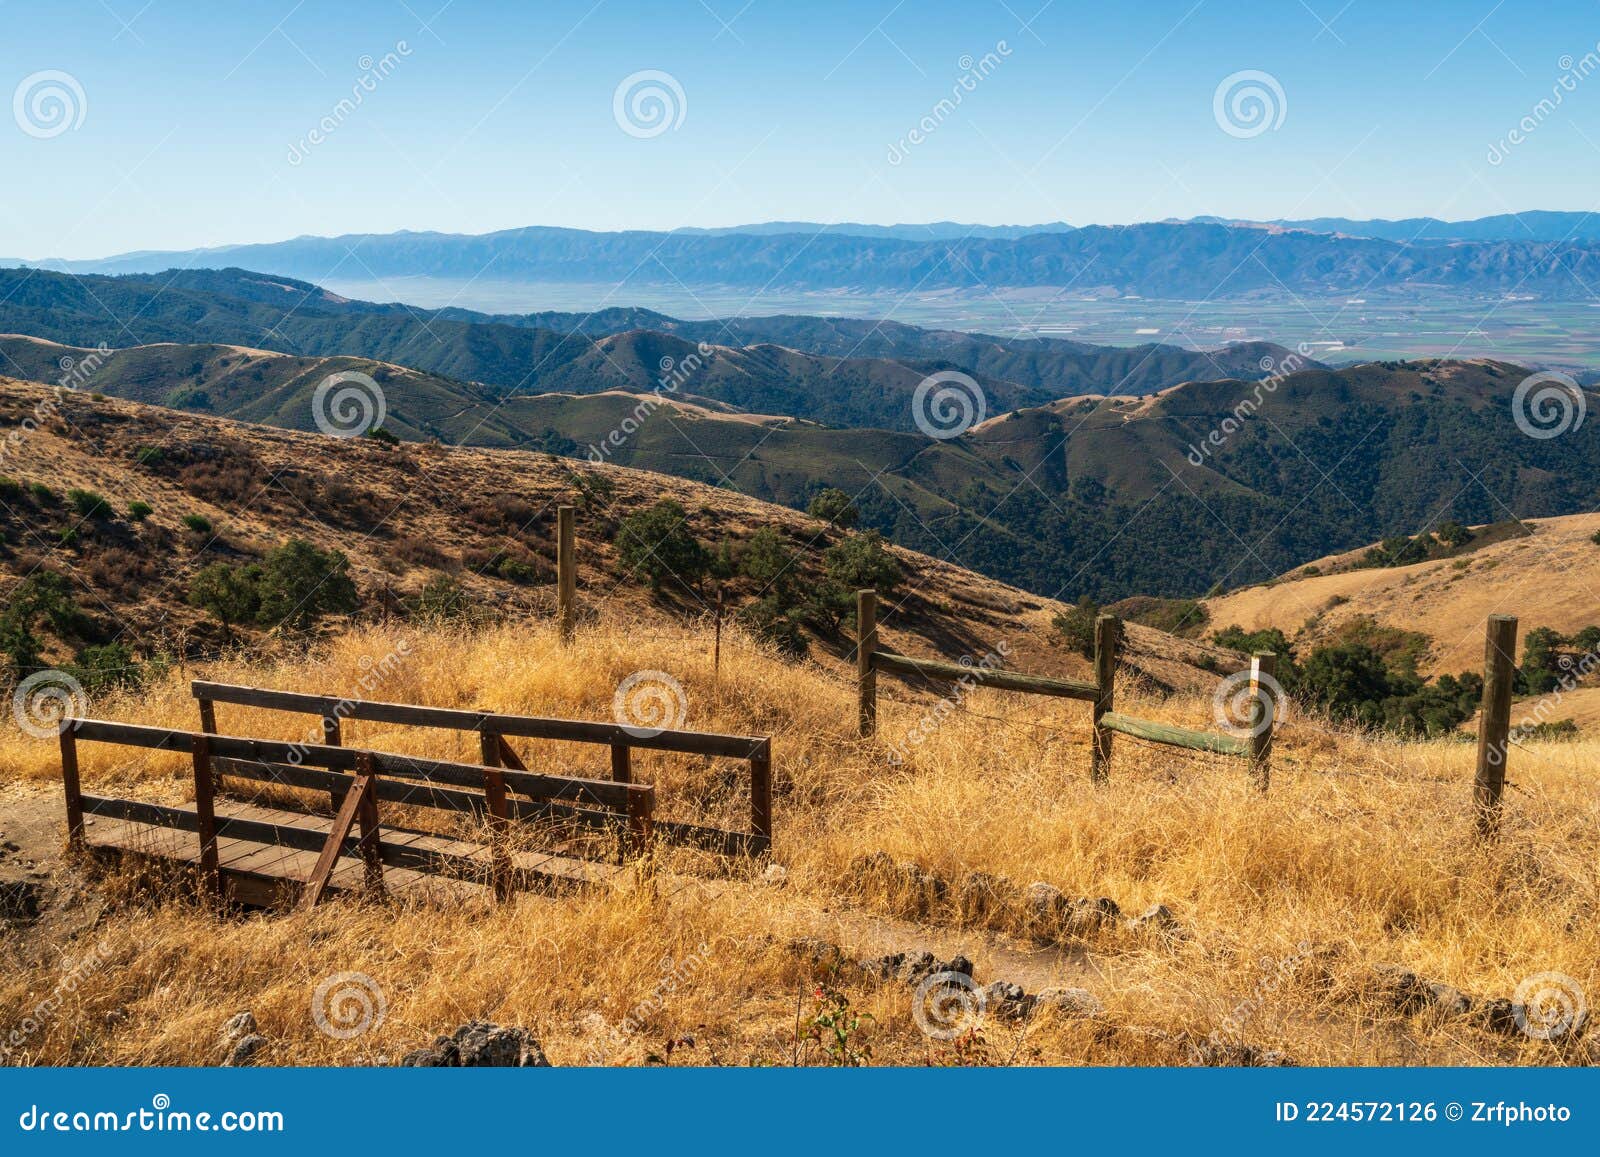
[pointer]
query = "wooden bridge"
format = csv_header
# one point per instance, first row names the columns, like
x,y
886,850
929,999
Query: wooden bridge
x,y
273,853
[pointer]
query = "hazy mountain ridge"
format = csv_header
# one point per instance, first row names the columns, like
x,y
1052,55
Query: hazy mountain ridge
x,y
1166,260
842,371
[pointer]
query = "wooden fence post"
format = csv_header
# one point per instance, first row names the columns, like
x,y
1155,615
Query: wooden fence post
x,y
205,806
566,574
1494,721
74,789
761,794
1263,715
1107,637
367,814
866,673
494,798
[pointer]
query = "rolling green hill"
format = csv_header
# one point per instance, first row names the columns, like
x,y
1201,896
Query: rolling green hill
x,y
850,373
1106,496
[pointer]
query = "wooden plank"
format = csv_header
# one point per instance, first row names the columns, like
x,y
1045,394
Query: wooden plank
x,y
205,794
761,796
72,786
566,573
1001,680
317,882
1174,736
367,817
866,671
1494,721
541,787
621,763
455,719
1107,640
494,794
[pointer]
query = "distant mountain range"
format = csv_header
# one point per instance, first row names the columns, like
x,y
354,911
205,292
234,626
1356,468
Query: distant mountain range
x,y
1552,255
836,371
1535,225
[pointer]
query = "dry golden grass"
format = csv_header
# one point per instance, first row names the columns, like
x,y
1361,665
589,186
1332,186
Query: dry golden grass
x,y
1360,854
1547,579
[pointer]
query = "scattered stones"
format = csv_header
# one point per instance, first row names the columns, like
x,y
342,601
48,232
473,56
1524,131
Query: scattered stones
x,y
1158,919
1498,1015
1085,916
240,1040
244,1050
1071,1003
1399,987
479,1044
1008,1001
1449,1000
986,900
1040,910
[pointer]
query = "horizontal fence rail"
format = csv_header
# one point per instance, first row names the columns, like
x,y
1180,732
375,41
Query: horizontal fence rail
x,y
871,658
495,729
359,779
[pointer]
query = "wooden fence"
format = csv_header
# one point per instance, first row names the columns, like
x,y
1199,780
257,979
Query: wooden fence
x,y
249,846
494,729
1256,747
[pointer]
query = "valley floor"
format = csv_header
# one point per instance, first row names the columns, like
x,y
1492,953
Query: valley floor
x,y
1287,911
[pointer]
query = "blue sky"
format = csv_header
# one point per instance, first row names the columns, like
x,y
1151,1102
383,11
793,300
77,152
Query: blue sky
x,y
192,124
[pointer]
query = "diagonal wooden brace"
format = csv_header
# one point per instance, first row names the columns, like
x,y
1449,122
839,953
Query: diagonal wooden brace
x,y
362,800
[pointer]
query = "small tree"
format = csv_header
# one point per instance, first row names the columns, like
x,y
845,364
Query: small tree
x,y
862,562
1077,626
229,594
834,506
770,564
300,583
657,544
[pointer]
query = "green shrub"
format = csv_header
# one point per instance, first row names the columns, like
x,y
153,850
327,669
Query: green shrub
x,y
89,504
198,523
139,510
41,492
834,506
656,543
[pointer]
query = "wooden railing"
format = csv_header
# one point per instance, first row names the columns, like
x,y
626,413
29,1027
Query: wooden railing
x,y
494,730
1101,694
361,779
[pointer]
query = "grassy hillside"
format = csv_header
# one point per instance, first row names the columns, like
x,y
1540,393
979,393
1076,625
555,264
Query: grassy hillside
x,y
1292,918
1547,579
1100,496
410,513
